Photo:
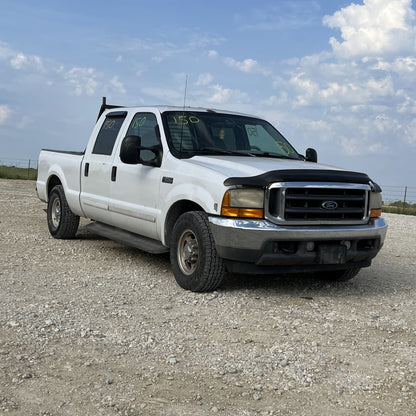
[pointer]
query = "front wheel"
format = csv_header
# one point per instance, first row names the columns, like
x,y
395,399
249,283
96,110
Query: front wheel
x,y
339,275
195,262
62,223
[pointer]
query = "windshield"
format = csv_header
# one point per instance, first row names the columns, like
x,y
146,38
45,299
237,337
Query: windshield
x,y
204,133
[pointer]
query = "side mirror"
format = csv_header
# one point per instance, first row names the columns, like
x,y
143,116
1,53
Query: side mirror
x,y
151,156
311,155
130,150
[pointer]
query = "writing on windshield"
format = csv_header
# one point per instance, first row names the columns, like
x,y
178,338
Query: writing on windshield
x,y
196,133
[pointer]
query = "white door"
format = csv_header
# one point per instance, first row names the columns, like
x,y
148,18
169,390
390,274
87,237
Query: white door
x,y
97,169
135,190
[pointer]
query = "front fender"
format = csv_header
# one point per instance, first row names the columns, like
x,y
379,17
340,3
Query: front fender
x,y
209,202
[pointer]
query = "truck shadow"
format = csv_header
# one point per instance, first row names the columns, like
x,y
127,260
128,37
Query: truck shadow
x,y
377,280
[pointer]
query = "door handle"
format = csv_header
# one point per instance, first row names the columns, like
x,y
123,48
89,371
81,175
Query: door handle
x,y
86,169
113,173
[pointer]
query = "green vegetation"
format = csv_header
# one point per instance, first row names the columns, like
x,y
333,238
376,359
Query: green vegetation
x,y
400,207
11,172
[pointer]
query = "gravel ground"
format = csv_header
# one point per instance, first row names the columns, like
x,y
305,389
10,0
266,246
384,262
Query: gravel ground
x,y
91,327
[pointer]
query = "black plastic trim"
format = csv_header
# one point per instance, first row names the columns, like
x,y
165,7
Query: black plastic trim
x,y
113,173
116,114
299,175
126,237
68,152
249,268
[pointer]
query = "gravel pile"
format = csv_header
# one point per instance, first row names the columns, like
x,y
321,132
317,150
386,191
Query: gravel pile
x,y
91,327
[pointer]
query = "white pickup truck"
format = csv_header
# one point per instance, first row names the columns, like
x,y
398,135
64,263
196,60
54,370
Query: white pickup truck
x,y
221,191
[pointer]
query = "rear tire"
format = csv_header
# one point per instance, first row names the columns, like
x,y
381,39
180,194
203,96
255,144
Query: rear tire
x,y
339,275
195,262
62,223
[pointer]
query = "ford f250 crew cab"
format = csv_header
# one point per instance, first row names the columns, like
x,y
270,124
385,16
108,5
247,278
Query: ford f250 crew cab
x,y
221,191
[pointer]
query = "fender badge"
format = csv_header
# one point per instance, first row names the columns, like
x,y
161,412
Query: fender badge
x,y
167,179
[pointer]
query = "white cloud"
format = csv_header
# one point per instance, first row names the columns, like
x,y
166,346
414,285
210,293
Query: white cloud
x,y
407,103
18,60
248,65
382,122
360,97
117,84
308,88
83,80
24,122
410,132
400,65
377,148
204,79
350,146
375,28
4,113
221,95
380,87
274,100
166,95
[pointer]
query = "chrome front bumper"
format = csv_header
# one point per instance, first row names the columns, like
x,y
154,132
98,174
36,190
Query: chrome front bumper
x,y
258,242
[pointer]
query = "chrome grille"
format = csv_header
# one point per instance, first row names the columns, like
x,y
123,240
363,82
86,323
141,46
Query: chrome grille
x,y
319,203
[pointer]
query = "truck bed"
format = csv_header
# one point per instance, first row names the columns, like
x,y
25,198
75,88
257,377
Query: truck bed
x,y
60,166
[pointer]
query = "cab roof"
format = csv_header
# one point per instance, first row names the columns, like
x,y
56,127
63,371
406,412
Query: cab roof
x,y
163,108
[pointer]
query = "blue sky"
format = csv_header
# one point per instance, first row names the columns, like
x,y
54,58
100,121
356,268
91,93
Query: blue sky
x,y
336,75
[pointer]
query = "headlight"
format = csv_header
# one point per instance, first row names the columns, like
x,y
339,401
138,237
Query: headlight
x,y
246,203
375,204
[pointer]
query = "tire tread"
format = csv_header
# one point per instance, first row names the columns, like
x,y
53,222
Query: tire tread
x,y
69,222
213,270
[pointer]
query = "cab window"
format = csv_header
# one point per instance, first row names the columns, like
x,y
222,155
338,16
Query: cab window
x,y
144,125
108,133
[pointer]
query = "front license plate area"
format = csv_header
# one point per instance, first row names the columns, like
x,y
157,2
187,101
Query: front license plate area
x,y
330,254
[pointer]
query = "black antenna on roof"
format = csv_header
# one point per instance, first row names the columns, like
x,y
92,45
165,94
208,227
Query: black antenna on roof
x,y
184,96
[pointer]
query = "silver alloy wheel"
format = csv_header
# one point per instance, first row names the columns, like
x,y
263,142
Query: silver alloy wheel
x,y
56,212
188,252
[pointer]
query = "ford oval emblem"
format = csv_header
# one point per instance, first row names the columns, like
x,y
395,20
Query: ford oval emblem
x,y
329,205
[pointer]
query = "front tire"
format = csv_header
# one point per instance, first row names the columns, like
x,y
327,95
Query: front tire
x,y
195,262
62,223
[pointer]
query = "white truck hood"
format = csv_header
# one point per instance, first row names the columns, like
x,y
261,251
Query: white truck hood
x,y
243,166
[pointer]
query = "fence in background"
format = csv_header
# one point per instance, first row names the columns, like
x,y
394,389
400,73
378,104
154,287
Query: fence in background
x,y
20,163
399,199
404,194
26,164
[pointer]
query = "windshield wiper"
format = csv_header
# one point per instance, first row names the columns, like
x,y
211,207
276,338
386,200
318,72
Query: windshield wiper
x,y
274,155
216,150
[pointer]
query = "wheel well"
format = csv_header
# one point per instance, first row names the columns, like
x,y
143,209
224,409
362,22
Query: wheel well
x,y
175,211
53,181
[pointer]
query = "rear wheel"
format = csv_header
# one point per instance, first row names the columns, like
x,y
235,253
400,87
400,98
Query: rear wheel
x,y
339,275
62,223
195,262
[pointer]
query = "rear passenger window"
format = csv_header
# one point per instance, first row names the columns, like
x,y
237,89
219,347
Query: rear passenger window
x,y
108,133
